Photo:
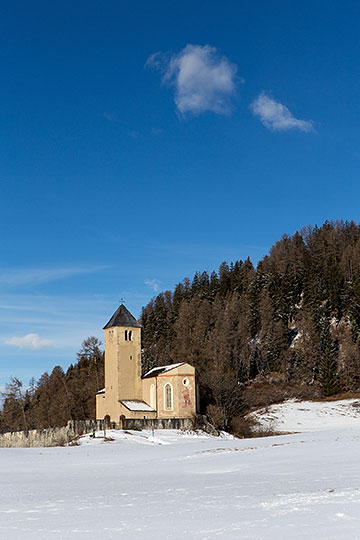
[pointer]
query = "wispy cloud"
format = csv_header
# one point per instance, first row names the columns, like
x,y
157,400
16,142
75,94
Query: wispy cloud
x,y
153,284
275,116
111,116
53,315
34,276
134,134
203,79
30,341
64,319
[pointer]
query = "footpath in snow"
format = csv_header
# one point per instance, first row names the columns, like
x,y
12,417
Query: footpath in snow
x,y
176,485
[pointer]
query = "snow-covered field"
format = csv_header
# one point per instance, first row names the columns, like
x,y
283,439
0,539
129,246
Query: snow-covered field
x,y
294,416
177,485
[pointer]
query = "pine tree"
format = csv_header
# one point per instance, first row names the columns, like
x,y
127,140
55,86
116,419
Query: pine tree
x,y
327,376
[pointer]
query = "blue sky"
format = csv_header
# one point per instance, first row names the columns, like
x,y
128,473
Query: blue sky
x,y
143,141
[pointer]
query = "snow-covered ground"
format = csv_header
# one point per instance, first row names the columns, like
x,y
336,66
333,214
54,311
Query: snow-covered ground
x,y
177,485
294,416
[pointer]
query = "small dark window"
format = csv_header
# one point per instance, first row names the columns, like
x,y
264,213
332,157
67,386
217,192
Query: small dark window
x,y
168,396
125,335
130,335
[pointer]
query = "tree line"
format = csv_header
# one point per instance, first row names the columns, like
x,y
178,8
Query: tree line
x,y
289,327
56,397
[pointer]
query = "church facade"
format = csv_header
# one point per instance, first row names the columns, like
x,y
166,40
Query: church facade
x,y
165,392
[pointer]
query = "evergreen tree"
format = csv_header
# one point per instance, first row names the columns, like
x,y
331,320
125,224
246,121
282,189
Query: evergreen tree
x,y
239,321
327,376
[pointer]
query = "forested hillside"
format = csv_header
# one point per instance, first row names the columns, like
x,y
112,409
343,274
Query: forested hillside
x,y
56,398
289,327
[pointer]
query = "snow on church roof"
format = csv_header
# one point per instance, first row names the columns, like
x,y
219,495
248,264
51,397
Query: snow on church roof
x,y
136,405
154,372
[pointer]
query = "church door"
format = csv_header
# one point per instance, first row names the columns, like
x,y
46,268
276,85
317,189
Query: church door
x,y
122,421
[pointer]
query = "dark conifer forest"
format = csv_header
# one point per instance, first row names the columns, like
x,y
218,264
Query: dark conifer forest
x,y
287,328
56,398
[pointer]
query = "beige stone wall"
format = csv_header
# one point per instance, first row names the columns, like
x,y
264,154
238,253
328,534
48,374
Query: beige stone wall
x,y
184,395
122,371
134,414
101,406
186,392
38,437
123,381
146,391
107,407
123,362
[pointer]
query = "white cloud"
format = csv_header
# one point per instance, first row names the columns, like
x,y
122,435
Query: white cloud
x,y
276,116
203,79
152,284
34,276
30,341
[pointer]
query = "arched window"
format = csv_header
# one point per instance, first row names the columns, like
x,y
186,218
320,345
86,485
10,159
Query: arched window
x,y
168,397
130,335
125,335
152,396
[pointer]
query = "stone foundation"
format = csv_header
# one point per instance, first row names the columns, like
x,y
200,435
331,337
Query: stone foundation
x,y
159,423
75,428
48,437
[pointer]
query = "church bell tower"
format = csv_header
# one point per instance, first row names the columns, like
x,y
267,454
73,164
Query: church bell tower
x,y
122,356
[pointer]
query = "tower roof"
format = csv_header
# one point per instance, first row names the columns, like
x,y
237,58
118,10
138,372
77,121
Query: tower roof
x,y
122,317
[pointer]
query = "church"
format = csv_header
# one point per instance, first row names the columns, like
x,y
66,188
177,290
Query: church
x,y
163,393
